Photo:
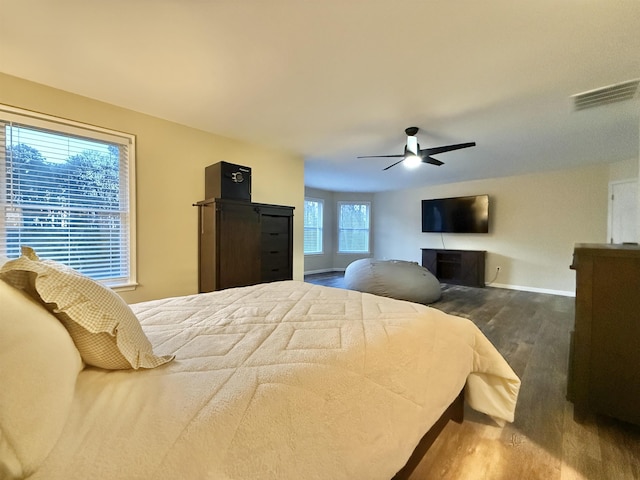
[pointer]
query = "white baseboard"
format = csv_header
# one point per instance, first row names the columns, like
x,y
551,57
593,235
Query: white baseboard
x,y
324,270
563,293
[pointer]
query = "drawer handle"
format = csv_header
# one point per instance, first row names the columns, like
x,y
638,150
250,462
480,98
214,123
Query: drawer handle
x,y
274,251
274,234
275,269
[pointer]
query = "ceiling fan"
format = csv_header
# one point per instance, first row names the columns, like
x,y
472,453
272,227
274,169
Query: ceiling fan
x,y
414,155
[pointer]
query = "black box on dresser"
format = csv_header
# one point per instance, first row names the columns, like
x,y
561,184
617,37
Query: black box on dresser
x,y
228,181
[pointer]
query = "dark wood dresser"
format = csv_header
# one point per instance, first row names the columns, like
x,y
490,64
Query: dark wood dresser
x,y
243,243
604,363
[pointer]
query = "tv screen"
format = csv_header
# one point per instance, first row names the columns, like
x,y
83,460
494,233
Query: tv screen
x,y
456,215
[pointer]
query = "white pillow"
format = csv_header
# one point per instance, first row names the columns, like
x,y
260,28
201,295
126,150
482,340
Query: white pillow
x,y
103,327
39,365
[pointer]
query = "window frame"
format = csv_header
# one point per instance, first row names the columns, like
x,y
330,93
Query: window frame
x,y
339,227
63,126
320,228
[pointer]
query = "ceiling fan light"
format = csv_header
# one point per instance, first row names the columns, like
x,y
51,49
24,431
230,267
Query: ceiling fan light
x,y
412,144
412,161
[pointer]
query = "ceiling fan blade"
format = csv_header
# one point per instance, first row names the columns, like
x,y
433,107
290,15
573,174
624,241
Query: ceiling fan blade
x,y
446,148
382,156
394,164
432,161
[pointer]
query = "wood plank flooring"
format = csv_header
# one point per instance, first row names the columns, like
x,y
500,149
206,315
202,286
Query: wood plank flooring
x,y
531,330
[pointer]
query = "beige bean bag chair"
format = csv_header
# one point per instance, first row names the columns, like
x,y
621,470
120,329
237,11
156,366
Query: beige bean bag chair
x,y
393,278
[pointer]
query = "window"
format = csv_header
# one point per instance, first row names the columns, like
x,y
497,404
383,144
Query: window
x,y
66,189
313,221
353,227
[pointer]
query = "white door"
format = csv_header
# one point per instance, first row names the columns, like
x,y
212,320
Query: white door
x,y
623,208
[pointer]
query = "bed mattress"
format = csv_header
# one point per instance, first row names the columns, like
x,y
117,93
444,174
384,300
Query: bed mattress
x,y
285,380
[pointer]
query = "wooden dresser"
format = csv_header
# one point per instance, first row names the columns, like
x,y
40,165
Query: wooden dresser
x,y
604,364
243,243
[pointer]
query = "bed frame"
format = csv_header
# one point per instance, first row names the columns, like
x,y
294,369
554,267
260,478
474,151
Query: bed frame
x,y
454,412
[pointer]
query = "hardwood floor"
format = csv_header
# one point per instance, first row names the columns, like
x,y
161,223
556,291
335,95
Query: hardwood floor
x,y
531,330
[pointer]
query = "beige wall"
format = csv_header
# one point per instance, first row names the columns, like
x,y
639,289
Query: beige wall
x,y
625,170
170,177
535,221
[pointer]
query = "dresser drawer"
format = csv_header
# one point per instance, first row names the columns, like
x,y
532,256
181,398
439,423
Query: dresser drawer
x,y
276,275
271,271
275,258
274,241
275,224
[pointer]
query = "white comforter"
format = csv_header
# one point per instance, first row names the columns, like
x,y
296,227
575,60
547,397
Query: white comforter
x,y
279,381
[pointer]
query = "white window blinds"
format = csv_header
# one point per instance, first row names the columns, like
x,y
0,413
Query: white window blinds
x,y
353,227
313,221
65,191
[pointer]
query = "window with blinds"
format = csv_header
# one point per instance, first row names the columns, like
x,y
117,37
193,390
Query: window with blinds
x,y
353,227
313,222
66,190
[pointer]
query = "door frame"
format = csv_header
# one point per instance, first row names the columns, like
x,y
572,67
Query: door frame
x,y
610,205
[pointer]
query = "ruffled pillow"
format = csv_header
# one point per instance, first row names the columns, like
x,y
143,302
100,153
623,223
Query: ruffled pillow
x,y
103,327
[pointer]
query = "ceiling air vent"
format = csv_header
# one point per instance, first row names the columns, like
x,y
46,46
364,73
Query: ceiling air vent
x,y
605,95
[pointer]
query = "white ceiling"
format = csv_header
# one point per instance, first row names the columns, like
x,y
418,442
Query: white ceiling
x,y
334,79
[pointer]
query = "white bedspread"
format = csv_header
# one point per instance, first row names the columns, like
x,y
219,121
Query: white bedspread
x,y
279,381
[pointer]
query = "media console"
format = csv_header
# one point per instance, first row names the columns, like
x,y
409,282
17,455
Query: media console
x,y
459,267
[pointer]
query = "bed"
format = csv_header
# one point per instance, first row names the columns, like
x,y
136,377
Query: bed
x,y
283,380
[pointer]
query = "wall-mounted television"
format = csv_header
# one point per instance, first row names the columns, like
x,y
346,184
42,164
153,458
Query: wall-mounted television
x,y
456,215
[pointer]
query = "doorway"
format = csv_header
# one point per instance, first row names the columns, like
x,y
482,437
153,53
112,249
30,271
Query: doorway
x,y
623,212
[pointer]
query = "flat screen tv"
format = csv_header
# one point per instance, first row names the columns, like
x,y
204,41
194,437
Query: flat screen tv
x,y
456,215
